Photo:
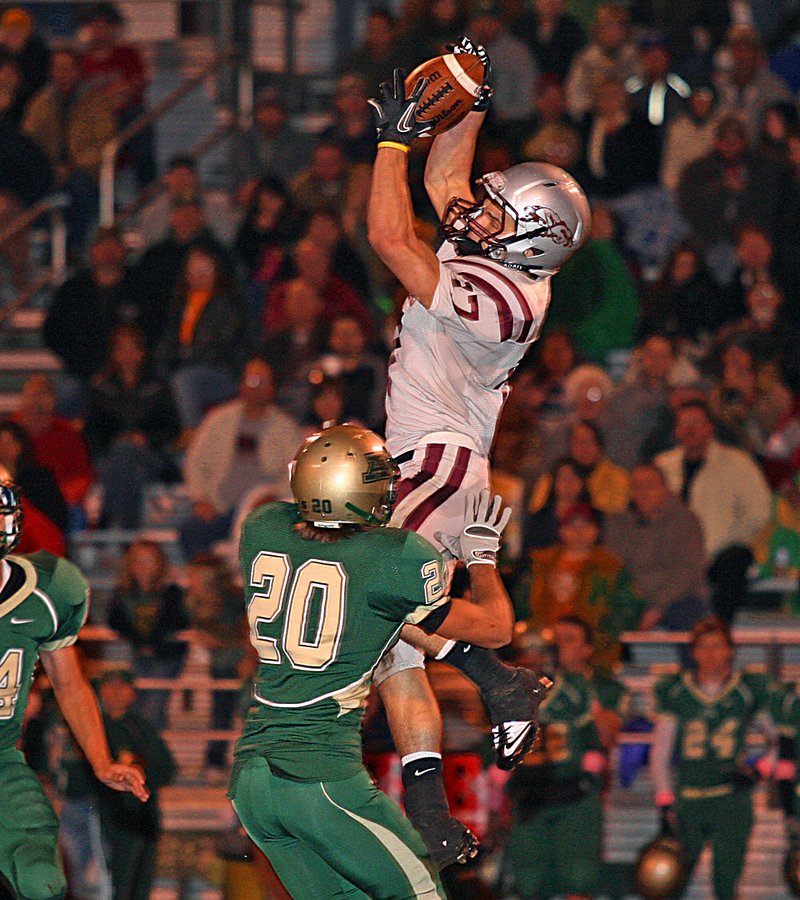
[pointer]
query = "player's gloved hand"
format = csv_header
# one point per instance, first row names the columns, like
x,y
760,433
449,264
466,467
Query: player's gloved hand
x,y
448,841
465,45
395,116
484,521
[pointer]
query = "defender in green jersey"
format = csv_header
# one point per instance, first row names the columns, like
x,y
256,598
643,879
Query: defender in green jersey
x,y
327,593
44,601
703,718
554,845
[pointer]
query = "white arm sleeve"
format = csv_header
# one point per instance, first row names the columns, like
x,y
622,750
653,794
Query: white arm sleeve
x,y
661,753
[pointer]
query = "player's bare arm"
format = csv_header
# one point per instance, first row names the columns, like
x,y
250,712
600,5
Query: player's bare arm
x,y
390,213
78,704
449,164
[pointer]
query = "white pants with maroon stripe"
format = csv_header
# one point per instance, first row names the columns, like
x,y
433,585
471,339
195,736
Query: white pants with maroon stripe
x,y
431,498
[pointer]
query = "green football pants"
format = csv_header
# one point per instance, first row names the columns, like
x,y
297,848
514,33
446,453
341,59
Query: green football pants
x,y
557,848
725,823
333,839
29,858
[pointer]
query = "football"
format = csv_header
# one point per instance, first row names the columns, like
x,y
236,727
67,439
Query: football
x,y
454,81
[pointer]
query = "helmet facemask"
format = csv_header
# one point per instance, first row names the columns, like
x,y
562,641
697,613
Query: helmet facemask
x,y
11,517
544,210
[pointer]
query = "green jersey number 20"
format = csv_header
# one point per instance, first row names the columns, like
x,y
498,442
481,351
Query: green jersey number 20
x,y
315,605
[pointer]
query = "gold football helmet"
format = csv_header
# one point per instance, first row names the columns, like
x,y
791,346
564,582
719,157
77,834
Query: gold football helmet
x,y
343,475
660,869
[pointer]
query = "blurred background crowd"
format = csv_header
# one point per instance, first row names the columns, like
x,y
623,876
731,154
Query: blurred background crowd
x,y
198,329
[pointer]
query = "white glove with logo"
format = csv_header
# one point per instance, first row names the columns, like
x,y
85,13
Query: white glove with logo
x,y
484,521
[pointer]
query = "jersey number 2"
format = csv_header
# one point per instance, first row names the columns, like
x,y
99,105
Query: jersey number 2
x,y
315,609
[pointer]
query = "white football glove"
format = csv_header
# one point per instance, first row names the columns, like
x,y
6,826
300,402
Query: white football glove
x,y
484,521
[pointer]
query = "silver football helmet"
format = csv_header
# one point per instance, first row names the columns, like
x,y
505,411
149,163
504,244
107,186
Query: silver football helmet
x,y
545,218
343,475
10,514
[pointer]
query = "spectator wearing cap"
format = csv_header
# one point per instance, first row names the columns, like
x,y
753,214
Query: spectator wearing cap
x,y
728,187
84,312
514,71
19,41
746,86
690,134
72,123
551,34
354,126
611,52
270,145
673,584
658,94
578,576
181,179
117,71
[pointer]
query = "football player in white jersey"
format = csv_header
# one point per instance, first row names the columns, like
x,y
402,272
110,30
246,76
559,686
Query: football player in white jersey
x,y
472,312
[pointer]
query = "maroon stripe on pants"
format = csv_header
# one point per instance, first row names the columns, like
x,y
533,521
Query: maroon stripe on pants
x,y
417,517
433,456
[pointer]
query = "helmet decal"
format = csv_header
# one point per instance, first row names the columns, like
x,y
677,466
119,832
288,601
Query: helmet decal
x,y
550,223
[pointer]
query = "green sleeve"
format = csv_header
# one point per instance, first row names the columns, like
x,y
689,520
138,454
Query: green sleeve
x,y
416,585
68,591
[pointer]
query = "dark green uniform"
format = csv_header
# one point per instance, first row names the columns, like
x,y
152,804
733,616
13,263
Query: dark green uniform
x,y
42,607
555,842
713,801
321,615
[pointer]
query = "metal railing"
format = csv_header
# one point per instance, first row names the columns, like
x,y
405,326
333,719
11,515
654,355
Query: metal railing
x,y
112,148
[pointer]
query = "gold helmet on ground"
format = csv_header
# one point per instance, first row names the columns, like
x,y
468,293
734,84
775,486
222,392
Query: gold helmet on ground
x,y
343,475
660,869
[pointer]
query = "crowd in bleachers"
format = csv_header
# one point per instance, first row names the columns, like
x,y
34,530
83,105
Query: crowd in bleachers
x,y
246,319
650,446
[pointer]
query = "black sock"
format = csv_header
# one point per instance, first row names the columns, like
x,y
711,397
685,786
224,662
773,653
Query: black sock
x,y
424,787
480,665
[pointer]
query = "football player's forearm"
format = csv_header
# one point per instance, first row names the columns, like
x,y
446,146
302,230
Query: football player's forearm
x,y
449,164
488,619
390,215
661,754
78,705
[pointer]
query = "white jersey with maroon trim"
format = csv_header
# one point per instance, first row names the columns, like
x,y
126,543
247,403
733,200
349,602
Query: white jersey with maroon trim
x,y
450,368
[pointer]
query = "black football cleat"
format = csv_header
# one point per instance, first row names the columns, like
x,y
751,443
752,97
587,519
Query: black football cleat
x,y
513,711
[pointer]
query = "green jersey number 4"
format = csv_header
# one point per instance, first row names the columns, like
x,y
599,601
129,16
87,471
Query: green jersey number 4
x,y
315,604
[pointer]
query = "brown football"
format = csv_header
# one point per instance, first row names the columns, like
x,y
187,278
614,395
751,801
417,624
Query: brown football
x,y
454,81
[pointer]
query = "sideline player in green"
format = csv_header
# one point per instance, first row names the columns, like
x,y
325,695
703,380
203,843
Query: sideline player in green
x,y
554,845
703,718
44,601
327,592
